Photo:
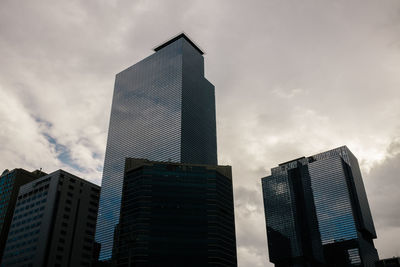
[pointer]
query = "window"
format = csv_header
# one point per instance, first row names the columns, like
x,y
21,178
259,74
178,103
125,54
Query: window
x,y
88,232
87,248
93,210
95,190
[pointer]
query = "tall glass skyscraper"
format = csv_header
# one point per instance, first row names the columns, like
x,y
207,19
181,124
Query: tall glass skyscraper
x,y
317,212
163,109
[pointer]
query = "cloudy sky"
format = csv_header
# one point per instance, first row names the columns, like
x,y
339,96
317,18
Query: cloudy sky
x,y
292,78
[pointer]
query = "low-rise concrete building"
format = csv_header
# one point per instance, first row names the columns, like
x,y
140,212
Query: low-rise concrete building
x,y
53,223
10,182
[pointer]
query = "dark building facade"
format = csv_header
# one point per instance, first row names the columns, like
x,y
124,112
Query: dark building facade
x,y
163,109
10,182
317,212
390,262
175,214
53,222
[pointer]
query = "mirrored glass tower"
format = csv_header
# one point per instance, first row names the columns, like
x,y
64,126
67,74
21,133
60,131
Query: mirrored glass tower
x,y
317,212
163,109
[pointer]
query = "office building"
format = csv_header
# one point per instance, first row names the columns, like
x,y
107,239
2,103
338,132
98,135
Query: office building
x,y
53,222
317,212
163,109
176,214
390,262
10,182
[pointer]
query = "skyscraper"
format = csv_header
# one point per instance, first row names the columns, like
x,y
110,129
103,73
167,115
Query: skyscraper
x,y
53,222
175,214
317,212
163,109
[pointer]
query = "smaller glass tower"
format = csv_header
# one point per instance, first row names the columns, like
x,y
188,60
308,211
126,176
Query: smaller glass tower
x,y
317,212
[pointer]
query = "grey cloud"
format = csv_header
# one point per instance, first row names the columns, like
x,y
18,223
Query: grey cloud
x,y
292,79
383,185
248,200
250,230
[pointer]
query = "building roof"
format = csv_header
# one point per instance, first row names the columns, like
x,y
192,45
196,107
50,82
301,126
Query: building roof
x,y
136,163
181,35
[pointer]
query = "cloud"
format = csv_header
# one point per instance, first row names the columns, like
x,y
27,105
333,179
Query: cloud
x,y
250,227
383,185
21,138
292,79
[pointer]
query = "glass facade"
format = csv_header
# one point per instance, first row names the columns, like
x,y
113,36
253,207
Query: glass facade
x,y
330,185
280,211
176,215
332,200
163,109
293,235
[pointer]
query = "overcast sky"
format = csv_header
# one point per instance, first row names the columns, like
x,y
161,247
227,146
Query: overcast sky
x,y
292,78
